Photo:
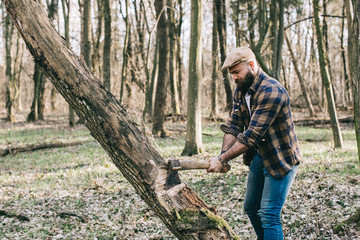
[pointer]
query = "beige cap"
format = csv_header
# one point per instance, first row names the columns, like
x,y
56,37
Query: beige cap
x,y
237,56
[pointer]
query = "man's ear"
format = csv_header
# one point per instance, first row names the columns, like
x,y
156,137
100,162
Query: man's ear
x,y
252,65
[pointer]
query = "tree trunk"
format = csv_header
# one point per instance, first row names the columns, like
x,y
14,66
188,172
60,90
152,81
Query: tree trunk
x,y
178,49
346,80
356,70
280,40
193,142
161,93
173,63
125,54
149,86
96,36
41,98
52,14
277,35
86,31
10,83
153,83
130,151
215,66
273,32
37,77
338,141
326,43
349,20
263,27
221,24
16,74
235,17
107,46
301,79
66,13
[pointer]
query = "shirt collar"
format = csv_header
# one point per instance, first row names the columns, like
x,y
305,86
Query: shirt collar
x,y
260,75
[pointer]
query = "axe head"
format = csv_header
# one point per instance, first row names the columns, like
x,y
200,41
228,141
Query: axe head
x,y
173,178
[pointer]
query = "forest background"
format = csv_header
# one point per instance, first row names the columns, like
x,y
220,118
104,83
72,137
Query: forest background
x,y
140,50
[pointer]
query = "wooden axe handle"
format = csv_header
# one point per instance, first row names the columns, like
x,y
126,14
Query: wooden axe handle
x,y
193,164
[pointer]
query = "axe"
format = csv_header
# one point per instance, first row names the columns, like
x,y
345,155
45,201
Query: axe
x,y
175,165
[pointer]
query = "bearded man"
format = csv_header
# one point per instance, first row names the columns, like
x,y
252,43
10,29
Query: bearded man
x,y
261,128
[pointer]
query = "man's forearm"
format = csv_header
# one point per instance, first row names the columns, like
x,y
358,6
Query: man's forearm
x,y
228,142
235,150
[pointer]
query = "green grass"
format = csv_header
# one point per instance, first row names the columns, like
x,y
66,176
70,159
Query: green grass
x,y
82,180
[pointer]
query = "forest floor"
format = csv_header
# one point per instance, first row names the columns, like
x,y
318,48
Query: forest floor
x,y
77,193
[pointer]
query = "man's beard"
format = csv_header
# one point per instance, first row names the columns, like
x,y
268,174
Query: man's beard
x,y
244,85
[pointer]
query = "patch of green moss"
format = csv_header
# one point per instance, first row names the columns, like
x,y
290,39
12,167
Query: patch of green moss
x,y
352,219
219,223
187,216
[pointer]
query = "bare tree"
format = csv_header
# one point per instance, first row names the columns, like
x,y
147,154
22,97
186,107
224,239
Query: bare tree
x,y
107,45
301,78
10,81
355,69
53,15
125,16
221,24
326,80
215,66
173,74
277,35
193,142
86,32
163,72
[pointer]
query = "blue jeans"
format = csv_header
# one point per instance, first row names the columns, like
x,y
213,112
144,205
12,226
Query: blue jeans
x,y
264,198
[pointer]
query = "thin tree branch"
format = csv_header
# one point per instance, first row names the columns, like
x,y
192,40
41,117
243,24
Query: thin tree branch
x,y
311,17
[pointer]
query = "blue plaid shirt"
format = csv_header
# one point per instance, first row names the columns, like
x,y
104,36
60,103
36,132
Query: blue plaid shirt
x,y
269,129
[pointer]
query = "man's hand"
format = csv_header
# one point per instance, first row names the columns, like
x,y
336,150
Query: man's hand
x,y
216,166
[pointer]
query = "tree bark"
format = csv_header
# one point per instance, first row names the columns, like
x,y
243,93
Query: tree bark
x,y
178,49
355,72
263,28
37,77
34,147
346,80
108,123
301,79
66,13
125,48
96,37
277,35
52,14
193,142
338,141
86,31
326,51
221,24
173,60
215,66
153,83
235,17
16,72
273,32
107,46
163,74
280,40
10,83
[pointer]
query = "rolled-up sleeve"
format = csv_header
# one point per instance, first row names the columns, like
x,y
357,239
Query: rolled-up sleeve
x,y
268,105
235,125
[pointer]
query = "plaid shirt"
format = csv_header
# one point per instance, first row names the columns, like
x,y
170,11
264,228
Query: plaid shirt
x,y
269,129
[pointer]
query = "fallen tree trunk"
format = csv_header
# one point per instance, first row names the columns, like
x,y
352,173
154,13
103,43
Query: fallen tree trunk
x,y
182,211
311,121
34,147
